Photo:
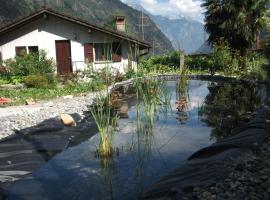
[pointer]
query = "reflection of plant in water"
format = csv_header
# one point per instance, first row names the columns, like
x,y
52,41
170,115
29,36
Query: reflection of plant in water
x,y
108,170
182,99
153,95
227,104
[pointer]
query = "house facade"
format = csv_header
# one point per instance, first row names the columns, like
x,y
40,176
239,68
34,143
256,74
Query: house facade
x,y
73,43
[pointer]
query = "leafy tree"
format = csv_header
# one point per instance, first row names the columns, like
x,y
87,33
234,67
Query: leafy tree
x,y
235,21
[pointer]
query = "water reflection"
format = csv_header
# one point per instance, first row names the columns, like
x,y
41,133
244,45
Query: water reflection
x,y
182,102
149,141
227,104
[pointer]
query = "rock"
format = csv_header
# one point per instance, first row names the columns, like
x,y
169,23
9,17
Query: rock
x,y
67,120
81,95
68,97
123,111
30,102
5,100
49,104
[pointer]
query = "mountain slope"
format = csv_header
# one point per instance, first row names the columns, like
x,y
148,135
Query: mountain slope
x,y
101,12
186,34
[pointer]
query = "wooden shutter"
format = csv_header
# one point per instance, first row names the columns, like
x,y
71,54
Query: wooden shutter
x,y
20,51
117,52
88,52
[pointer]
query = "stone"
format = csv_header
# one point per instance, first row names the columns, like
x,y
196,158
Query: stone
x,y
5,100
81,95
123,111
68,97
67,120
49,104
30,102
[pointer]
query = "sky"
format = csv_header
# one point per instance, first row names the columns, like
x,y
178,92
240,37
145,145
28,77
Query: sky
x,y
173,8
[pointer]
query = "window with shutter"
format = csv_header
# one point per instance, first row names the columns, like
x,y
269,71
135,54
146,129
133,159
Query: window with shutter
x,y
20,51
117,52
88,53
103,52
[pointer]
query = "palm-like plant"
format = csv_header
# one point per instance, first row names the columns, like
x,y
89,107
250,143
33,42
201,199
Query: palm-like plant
x,y
236,21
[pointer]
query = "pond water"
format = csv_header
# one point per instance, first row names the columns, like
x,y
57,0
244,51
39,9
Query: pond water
x,y
208,112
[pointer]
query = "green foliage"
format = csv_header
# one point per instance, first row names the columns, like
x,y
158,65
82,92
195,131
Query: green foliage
x,y
227,104
267,38
257,66
224,59
130,73
106,123
32,63
200,62
235,21
35,81
160,64
19,96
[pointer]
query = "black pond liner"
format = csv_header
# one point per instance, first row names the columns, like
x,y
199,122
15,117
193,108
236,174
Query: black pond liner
x,y
29,148
209,165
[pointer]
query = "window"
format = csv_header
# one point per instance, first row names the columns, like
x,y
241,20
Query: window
x,y
103,51
20,51
88,52
33,49
117,52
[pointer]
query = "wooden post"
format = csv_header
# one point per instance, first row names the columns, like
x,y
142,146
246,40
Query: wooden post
x,y
182,60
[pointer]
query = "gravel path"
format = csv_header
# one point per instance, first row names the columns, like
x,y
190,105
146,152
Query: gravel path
x,y
20,117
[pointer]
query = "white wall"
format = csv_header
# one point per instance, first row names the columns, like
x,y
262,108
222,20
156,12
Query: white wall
x,y
44,32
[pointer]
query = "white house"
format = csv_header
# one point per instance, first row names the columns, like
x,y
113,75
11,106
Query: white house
x,y
71,42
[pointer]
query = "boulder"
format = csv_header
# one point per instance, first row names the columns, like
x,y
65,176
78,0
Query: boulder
x,y
5,100
67,120
30,102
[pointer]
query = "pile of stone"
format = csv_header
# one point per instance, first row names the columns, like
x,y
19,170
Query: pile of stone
x,y
20,117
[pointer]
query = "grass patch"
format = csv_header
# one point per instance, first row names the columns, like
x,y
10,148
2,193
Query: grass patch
x,y
20,95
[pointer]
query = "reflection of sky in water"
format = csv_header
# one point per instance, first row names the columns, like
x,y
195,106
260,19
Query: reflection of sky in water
x,y
76,174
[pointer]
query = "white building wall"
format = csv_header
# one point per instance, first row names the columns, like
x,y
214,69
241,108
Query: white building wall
x,y
44,32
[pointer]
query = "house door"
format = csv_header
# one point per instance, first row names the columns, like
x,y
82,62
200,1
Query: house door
x,y
63,57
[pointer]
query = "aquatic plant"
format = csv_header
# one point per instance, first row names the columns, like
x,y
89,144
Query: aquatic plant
x,y
106,121
106,124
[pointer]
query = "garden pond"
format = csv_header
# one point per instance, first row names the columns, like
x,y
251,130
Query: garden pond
x,y
151,140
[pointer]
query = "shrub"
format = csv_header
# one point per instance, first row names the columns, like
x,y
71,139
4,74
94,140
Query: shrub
x,y
256,66
36,81
33,63
198,62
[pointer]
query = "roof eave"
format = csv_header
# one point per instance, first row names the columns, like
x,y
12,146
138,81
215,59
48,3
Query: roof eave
x,y
40,14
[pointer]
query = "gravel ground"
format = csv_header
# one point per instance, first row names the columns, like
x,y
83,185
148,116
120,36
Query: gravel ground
x,y
249,180
20,117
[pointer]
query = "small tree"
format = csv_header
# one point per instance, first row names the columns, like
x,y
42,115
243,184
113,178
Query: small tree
x,y
236,21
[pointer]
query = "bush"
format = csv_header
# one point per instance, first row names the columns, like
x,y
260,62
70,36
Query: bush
x,y
33,63
256,66
198,62
36,81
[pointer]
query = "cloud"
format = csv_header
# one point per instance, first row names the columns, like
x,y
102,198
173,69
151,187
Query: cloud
x,y
173,8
